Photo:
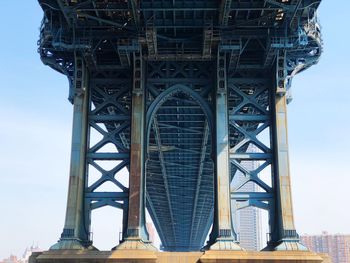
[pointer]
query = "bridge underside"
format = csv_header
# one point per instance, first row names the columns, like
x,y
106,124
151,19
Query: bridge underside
x,y
181,89
179,179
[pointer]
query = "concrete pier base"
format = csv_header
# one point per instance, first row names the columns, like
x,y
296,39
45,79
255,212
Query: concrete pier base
x,y
135,256
84,256
262,257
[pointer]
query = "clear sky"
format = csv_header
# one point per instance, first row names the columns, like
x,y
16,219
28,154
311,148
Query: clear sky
x,y
35,134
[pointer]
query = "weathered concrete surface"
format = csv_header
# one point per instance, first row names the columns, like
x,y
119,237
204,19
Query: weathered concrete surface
x,y
88,256
178,257
135,256
326,258
261,257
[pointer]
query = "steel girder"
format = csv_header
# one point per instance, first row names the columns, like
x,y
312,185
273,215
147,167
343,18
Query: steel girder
x,y
258,118
110,106
107,32
102,109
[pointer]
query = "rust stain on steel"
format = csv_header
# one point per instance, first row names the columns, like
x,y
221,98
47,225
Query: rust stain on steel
x,y
136,165
285,197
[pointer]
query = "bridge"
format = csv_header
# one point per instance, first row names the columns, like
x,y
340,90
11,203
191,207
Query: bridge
x,y
177,91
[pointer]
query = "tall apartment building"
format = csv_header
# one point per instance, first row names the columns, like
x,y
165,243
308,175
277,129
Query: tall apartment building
x,y
10,259
151,232
337,246
248,220
28,252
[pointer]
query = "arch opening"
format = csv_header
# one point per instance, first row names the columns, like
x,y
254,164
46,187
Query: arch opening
x,y
179,168
106,227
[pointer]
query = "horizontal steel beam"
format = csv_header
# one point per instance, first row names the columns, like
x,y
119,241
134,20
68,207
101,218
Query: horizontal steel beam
x,y
242,196
108,156
110,195
249,117
251,156
105,118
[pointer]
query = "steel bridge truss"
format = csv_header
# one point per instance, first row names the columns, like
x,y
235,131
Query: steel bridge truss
x,y
168,96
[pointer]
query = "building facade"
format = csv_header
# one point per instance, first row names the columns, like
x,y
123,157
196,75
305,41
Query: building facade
x,y
249,229
151,232
11,259
248,220
337,246
25,257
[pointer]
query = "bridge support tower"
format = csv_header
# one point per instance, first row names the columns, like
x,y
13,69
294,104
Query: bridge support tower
x,y
178,93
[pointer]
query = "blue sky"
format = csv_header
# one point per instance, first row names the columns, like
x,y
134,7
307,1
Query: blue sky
x,y
35,134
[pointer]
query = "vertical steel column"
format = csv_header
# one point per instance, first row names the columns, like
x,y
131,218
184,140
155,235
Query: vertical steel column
x,y
222,235
283,235
137,236
74,235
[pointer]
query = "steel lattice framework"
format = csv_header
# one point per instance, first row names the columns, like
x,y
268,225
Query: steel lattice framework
x,y
178,90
